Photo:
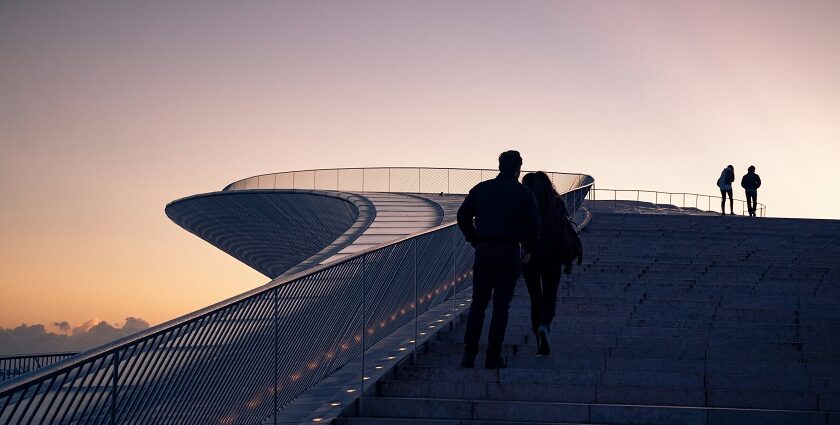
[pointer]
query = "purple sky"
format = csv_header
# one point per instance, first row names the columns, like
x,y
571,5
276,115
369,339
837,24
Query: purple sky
x,y
109,110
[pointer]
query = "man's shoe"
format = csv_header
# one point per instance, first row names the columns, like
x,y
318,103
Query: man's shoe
x,y
543,342
495,362
468,361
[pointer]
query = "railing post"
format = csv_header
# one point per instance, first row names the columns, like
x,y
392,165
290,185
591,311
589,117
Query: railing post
x,y
414,281
418,180
364,331
638,196
448,190
115,361
276,343
454,282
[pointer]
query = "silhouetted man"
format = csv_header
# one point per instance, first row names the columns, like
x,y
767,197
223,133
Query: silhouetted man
x,y
751,182
727,176
505,213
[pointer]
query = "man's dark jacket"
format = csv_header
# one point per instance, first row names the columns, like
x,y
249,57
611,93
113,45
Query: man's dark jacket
x,y
751,182
505,211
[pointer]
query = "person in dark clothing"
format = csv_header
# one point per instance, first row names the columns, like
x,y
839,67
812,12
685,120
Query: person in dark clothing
x,y
495,217
542,273
727,176
751,182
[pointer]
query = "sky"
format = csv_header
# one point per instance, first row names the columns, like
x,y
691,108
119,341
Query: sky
x,y
110,110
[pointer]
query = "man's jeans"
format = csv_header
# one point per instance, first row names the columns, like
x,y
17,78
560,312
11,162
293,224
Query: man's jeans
x,y
752,201
495,272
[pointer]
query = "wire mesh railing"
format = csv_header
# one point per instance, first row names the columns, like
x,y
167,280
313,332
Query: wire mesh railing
x,y
392,179
241,360
685,201
12,366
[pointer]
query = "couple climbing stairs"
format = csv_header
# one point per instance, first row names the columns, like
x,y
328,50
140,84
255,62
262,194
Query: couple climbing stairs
x,y
670,320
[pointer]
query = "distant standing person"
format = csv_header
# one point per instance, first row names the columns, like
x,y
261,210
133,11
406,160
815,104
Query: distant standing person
x,y
751,182
542,273
496,216
727,176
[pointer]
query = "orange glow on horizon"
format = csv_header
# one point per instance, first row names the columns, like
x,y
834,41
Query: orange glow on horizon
x,y
103,124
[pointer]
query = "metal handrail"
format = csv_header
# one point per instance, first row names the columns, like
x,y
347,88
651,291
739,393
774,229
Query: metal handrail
x,y
761,209
242,359
14,365
391,179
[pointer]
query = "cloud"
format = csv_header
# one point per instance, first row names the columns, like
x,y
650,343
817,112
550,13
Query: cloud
x,y
62,337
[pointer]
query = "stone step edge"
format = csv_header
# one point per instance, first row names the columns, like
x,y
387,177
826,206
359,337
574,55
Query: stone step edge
x,y
613,387
834,414
376,421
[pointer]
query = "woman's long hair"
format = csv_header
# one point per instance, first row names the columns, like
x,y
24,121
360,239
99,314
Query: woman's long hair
x,y
548,199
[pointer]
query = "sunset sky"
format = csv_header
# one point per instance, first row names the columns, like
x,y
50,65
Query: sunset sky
x,y
109,110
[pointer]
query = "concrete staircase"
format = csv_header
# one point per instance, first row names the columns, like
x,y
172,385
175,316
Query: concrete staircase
x,y
671,320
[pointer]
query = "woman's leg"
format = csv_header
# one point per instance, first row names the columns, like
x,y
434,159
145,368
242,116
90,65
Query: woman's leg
x,y
531,273
731,202
722,201
550,283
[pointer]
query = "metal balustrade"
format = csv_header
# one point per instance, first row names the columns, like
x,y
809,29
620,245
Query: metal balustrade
x,y
241,360
393,179
677,199
15,365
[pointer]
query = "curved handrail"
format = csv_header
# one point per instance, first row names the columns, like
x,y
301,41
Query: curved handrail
x,y
391,179
761,209
261,342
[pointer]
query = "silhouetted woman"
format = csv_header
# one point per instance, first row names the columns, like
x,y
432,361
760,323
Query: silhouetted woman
x,y
727,176
542,271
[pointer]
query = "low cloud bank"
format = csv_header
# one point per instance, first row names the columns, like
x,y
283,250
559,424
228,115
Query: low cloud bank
x,y
61,337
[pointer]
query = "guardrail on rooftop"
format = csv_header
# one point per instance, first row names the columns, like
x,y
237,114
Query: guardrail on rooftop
x,y
680,200
419,180
243,359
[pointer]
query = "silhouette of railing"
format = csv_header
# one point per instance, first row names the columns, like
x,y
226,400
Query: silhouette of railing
x,y
243,359
678,199
13,366
393,179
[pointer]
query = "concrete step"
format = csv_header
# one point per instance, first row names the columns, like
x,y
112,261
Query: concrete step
x,y
403,421
530,412
608,393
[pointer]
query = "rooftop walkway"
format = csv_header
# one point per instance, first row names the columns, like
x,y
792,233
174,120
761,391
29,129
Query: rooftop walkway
x,y
670,320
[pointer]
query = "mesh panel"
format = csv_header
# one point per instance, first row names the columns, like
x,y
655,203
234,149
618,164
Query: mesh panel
x,y
326,179
461,181
434,180
377,180
405,180
304,180
284,181
266,181
351,180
